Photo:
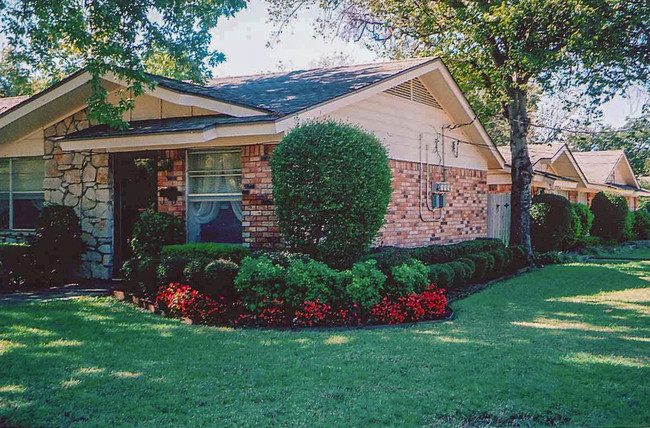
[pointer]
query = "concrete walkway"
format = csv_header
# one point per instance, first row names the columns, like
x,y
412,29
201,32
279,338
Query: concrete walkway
x,y
70,291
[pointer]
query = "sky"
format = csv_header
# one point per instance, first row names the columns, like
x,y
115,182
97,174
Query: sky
x,y
244,40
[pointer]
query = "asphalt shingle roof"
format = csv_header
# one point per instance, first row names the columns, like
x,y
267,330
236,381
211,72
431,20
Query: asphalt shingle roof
x,y
287,93
10,102
598,165
536,152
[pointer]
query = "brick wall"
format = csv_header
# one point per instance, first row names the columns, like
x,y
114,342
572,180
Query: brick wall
x,y
465,212
171,173
259,222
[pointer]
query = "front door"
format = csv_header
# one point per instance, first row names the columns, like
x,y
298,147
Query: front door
x,y
136,185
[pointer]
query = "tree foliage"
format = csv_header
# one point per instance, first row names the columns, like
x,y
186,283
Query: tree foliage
x,y
499,50
121,37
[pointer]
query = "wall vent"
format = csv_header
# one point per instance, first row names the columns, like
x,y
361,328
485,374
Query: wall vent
x,y
414,90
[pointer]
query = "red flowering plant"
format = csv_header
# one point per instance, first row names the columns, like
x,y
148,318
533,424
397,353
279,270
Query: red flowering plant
x,y
316,313
184,301
427,305
271,313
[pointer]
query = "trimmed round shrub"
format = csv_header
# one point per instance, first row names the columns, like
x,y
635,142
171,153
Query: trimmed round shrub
x,y
441,275
470,264
170,270
310,281
193,273
389,257
366,284
481,266
518,258
58,245
551,221
259,280
610,213
153,230
408,278
331,187
219,279
641,226
147,277
462,274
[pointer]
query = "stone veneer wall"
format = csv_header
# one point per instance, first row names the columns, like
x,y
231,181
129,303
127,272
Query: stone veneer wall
x,y
465,212
82,180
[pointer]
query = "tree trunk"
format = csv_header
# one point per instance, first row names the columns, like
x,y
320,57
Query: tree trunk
x,y
521,171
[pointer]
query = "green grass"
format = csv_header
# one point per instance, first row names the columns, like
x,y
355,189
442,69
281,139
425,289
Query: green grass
x,y
564,345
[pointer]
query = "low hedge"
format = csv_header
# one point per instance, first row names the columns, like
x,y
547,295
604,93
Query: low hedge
x,y
207,250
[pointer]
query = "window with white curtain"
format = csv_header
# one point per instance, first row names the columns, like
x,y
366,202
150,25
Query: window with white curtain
x,y
215,200
21,192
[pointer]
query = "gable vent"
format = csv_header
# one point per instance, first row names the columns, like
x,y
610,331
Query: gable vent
x,y
414,90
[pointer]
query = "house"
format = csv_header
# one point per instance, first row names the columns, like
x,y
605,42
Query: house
x,y
202,153
578,176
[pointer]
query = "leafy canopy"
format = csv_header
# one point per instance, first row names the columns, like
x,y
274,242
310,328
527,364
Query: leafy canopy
x,y
57,37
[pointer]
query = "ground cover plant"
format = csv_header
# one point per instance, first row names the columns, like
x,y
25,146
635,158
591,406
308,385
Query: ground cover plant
x,y
566,345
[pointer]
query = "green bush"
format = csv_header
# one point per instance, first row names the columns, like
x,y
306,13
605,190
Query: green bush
x,y
470,264
407,278
58,245
331,186
446,253
147,278
500,263
219,279
628,230
586,218
641,226
551,222
481,266
365,284
312,280
610,214
441,275
193,273
462,274
17,266
389,257
517,257
556,257
170,270
259,280
208,250
153,230
130,271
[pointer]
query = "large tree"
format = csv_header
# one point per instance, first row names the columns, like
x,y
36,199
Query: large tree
x,y
125,37
501,49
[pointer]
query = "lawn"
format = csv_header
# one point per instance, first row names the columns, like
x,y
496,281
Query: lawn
x,y
564,345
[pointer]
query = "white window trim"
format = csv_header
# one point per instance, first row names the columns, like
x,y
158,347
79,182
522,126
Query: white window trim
x,y
11,196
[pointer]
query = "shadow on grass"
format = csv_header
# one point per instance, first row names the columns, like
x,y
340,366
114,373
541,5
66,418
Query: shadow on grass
x,y
562,345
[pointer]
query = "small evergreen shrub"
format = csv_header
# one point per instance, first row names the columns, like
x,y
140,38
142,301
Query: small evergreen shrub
x,y
481,266
586,218
610,214
17,268
170,270
517,257
147,275
365,284
331,187
58,246
153,230
641,225
628,230
441,275
312,280
408,278
552,222
462,274
193,273
219,279
208,250
259,280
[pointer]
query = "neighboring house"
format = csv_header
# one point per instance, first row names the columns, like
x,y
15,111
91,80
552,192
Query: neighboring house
x,y
578,176
202,153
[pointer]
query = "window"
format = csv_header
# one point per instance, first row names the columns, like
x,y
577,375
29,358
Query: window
x,y
21,192
214,196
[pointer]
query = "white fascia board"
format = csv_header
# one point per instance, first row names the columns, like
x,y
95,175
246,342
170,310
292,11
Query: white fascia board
x,y
43,99
193,100
171,138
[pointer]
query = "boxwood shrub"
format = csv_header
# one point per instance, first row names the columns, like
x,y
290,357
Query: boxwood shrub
x,y
610,214
207,250
153,230
407,278
641,226
552,222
